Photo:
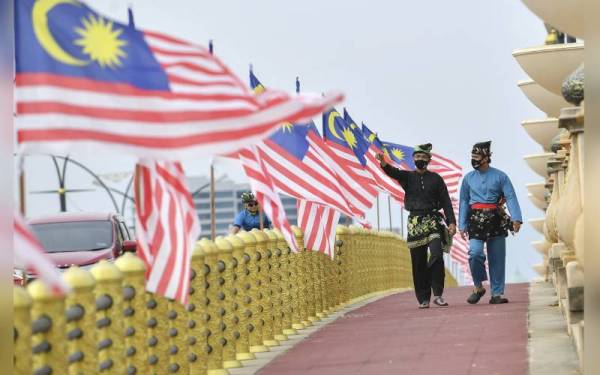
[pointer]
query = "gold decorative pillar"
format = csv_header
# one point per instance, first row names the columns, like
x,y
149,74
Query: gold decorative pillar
x,y
22,331
47,330
342,267
109,317
134,312
266,317
300,275
81,342
255,289
178,321
226,296
214,298
241,292
198,314
286,270
275,284
157,348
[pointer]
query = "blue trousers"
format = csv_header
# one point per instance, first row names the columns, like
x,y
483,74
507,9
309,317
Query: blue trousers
x,y
496,252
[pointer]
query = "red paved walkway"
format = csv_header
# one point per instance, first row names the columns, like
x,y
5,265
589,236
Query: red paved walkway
x,y
391,336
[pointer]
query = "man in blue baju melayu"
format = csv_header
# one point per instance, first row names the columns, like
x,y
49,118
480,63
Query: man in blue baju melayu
x,y
482,218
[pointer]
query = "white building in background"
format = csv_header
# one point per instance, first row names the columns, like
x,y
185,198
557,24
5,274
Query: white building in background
x,y
227,203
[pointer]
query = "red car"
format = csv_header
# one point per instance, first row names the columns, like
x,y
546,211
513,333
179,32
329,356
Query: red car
x,y
80,239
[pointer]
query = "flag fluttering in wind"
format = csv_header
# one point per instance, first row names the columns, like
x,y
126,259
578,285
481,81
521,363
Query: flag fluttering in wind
x,y
318,223
264,190
383,182
29,256
83,80
167,227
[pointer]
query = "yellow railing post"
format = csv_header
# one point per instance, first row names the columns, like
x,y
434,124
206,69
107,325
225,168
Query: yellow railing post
x,y
197,334
22,331
266,318
47,329
241,289
301,271
256,289
286,298
156,331
81,343
276,284
341,275
134,311
316,276
215,309
226,296
178,341
109,317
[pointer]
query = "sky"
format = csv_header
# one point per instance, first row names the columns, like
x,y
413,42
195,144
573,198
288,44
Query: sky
x,y
413,71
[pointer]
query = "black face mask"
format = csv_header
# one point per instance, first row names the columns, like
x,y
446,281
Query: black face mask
x,y
476,163
421,164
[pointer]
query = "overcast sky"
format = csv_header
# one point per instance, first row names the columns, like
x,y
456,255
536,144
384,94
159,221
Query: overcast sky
x,y
414,71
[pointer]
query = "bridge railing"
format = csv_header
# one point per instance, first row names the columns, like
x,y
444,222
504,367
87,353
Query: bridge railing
x,y
248,293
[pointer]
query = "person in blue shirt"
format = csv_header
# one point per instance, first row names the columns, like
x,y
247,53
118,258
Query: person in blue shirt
x,y
483,220
249,218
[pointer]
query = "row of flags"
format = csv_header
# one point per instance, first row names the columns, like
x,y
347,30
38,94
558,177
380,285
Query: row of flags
x,y
86,82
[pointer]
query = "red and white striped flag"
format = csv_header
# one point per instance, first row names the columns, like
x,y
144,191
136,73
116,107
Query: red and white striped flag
x,y
263,188
150,94
167,227
29,256
319,226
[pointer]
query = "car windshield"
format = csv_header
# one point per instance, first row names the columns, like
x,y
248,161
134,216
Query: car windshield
x,y
74,235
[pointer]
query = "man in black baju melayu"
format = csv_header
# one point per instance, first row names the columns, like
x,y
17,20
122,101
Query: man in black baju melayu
x,y
426,194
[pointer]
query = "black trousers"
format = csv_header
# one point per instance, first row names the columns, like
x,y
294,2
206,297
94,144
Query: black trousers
x,y
429,273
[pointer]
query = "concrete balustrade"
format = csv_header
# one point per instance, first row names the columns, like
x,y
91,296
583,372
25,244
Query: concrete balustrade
x,y
248,292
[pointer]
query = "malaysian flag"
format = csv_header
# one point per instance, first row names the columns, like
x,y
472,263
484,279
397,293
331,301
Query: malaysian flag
x,y
83,81
167,227
319,226
264,190
383,182
296,168
30,257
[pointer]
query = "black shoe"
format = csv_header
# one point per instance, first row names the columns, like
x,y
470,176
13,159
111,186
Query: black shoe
x,y
476,296
495,300
440,301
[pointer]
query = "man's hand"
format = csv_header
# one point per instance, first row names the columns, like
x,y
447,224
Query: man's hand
x,y
380,157
516,226
463,234
452,230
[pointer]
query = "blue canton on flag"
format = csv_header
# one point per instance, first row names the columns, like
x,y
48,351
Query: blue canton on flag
x,y
400,154
372,137
68,38
337,130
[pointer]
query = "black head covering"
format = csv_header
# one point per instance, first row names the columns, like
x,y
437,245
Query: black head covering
x,y
482,148
424,149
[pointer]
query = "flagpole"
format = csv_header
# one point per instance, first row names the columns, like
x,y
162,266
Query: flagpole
x,y
390,211
213,225
378,211
402,220
22,207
